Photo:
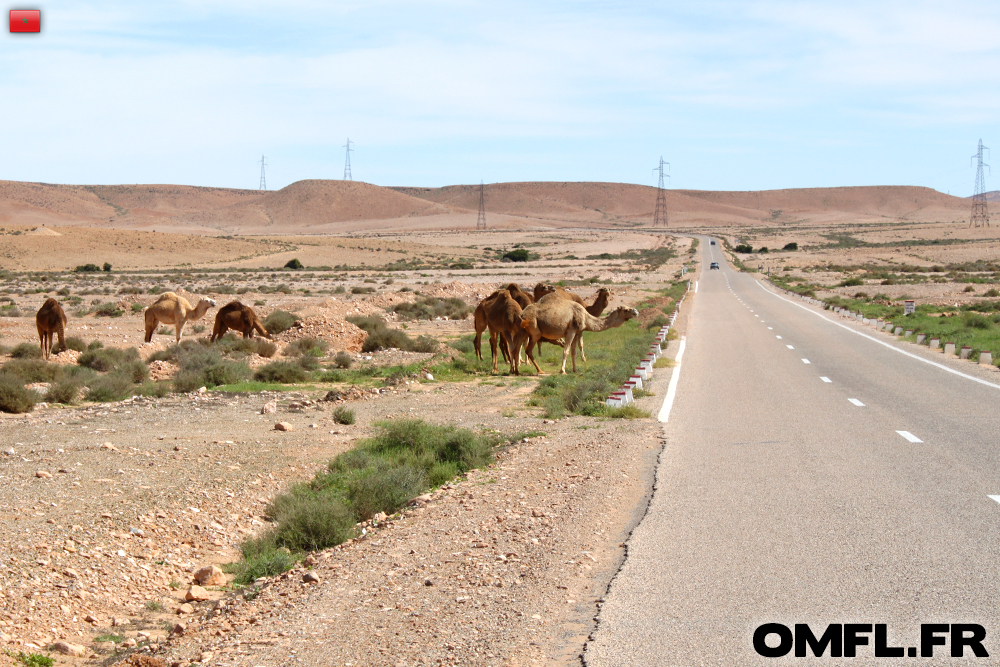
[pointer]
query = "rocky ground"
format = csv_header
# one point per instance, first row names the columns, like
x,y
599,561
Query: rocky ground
x,y
112,509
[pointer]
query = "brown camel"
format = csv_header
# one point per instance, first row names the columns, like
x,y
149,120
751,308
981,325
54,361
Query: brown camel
x,y
503,315
595,309
173,309
541,289
50,319
480,322
553,317
238,317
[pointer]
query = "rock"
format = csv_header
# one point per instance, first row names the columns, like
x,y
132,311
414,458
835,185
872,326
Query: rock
x,y
537,513
71,573
66,648
178,629
428,582
90,618
309,561
130,643
185,609
210,575
196,594
205,656
44,474
10,451
138,532
146,661
280,426
310,578
269,408
428,376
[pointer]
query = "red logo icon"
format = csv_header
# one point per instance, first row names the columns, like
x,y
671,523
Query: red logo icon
x,y
25,20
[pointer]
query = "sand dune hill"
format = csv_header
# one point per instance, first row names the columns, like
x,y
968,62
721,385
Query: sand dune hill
x,y
324,206
608,201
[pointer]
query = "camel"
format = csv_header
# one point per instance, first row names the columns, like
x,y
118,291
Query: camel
x,y
480,321
595,309
50,319
554,317
503,315
171,308
237,317
541,289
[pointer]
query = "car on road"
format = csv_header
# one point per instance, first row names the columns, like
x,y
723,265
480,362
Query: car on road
x,y
713,242
713,265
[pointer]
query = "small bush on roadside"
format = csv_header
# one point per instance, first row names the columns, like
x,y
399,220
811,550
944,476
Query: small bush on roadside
x,y
362,290
657,322
992,292
343,360
32,370
14,397
744,248
463,345
969,288
26,351
314,347
87,268
343,415
108,359
285,372
154,389
851,282
108,310
95,345
261,558
293,264
278,321
32,659
186,381
72,343
110,387
430,307
791,246
65,391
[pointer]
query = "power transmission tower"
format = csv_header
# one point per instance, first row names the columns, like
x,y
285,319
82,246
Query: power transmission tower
x,y
980,211
347,163
263,181
481,220
660,214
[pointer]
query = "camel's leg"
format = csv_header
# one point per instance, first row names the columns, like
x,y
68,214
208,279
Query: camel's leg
x,y
180,327
568,349
477,343
579,338
41,340
531,357
493,348
151,324
61,332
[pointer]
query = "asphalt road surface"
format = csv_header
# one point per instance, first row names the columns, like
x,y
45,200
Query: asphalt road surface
x,y
812,476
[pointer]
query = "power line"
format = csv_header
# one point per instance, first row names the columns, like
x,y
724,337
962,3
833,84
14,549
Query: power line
x,y
263,181
660,213
347,163
481,219
980,211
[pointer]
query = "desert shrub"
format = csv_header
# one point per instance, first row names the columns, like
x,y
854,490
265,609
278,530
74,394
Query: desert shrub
x,y
764,250
992,292
154,389
972,321
87,268
516,255
71,343
362,290
137,307
197,329
135,370
314,347
367,323
165,331
261,558
10,310
110,387
26,351
186,381
307,362
463,345
14,397
744,248
278,321
657,322
66,391
293,264
285,372
108,359
851,282
343,360
108,310
339,289
203,366
225,372
233,344
107,266
130,289
32,370
969,288
430,307
95,345
343,415
791,246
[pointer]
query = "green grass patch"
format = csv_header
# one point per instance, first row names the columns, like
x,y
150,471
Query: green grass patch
x,y
402,460
31,659
250,387
612,356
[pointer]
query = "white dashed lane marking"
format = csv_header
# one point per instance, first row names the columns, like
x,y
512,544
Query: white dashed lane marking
x,y
856,402
909,436
806,361
825,379
790,347
778,337
996,498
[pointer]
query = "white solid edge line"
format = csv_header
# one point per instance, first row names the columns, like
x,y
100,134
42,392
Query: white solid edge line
x,y
881,342
668,401
909,436
996,498
858,403
696,287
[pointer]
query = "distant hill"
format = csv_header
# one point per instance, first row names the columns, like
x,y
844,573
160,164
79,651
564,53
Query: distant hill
x,y
992,195
322,206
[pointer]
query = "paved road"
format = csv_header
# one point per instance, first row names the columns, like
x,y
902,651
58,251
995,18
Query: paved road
x,y
811,476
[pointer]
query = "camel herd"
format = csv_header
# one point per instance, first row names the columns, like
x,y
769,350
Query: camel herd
x,y
170,308
516,321
519,320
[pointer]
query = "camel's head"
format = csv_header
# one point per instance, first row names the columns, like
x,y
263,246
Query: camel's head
x,y
604,294
513,288
541,289
626,313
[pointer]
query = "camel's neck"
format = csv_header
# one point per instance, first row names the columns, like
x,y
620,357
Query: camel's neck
x,y
602,323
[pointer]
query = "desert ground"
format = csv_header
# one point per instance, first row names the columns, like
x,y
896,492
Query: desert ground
x,y
111,507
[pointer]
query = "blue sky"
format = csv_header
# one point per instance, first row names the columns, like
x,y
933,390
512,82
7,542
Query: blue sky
x,y
735,95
